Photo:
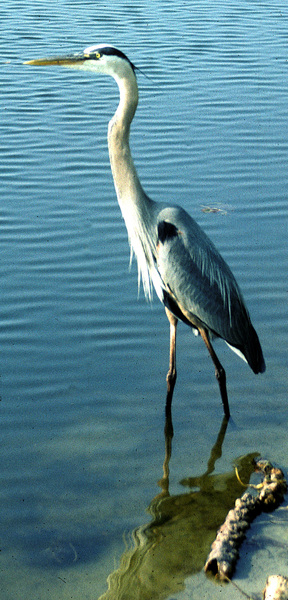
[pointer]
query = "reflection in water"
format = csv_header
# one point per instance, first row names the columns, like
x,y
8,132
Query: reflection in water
x,y
175,544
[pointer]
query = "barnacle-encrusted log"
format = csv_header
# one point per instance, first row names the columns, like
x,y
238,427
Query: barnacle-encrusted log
x,y
224,550
276,588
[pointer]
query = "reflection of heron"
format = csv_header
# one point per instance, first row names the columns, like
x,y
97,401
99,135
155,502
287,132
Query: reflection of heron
x,y
176,542
188,273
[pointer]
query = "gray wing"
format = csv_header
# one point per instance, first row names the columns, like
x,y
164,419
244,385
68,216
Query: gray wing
x,y
197,279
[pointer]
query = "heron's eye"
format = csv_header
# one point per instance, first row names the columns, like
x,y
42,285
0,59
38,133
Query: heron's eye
x,y
92,55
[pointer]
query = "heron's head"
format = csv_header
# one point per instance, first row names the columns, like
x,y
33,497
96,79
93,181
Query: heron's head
x,y
101,58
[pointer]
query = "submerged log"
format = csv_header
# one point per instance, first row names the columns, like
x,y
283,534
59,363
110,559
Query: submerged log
x,y
276,588
224,553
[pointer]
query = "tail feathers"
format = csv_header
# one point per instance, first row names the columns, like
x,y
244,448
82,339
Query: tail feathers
x,y
251,351
254,353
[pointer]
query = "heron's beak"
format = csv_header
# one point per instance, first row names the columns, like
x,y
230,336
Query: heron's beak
x,y
65,61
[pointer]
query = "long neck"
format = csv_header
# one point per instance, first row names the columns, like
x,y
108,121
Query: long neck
x,y
127,184
136,207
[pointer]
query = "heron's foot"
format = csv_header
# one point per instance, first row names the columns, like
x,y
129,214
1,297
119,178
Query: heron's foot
x,y
168,429
171,380
221,378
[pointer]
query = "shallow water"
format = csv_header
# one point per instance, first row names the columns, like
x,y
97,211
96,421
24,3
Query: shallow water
x,y
83,359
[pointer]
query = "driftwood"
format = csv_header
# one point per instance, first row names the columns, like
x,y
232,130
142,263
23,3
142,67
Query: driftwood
x,y
224,553
276,588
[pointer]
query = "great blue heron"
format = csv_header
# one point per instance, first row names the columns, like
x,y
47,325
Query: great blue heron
x,y
189,275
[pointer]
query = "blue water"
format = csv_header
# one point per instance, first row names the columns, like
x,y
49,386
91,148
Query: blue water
x,y
83,358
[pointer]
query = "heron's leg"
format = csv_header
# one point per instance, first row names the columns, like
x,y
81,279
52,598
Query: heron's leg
x,y
219,371
172,373
171,378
